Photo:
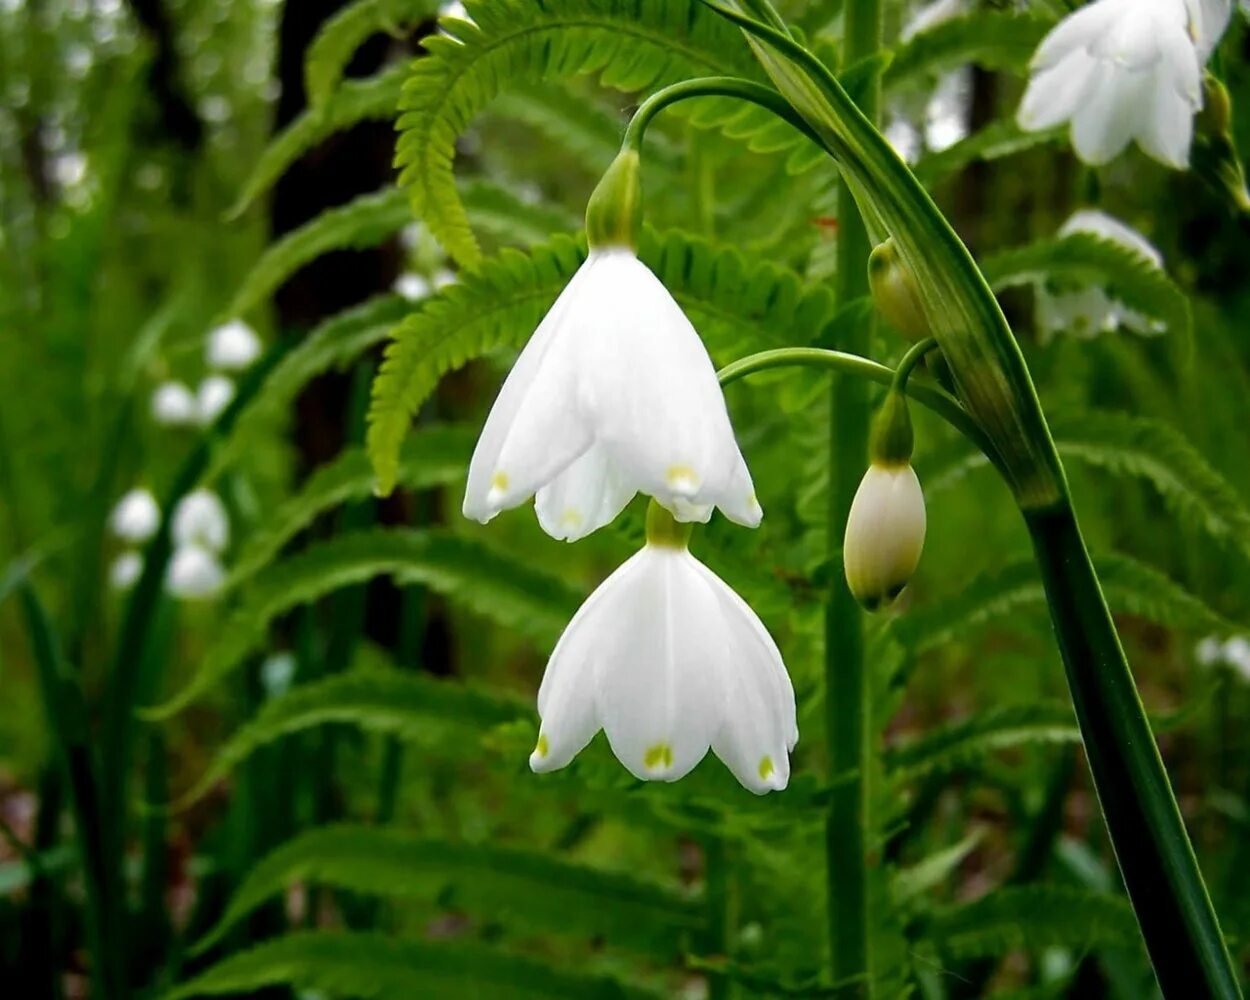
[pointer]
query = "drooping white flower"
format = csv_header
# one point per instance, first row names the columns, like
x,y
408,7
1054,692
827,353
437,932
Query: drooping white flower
x,y
200,520
884,534
455,8
213,396
614,394
194,573
1236,654
136,517
1086,311
125,571
174,405
669,661
1209,651
947,115
1124,71
412,286
232,346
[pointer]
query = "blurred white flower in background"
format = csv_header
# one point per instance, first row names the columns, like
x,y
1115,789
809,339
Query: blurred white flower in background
x,y
904,137
1122,71
947,115
1233,653
174,405
213,396
277,673
1088,311
200,519
444,277
136,517
454,9
232,346
194,573
412,286
125,571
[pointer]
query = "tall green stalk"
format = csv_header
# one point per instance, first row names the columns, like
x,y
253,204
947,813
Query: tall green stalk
x,y
847,711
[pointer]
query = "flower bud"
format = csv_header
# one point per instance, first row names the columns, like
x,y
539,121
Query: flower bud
x,y
884,534
1214,155
614,212
894,292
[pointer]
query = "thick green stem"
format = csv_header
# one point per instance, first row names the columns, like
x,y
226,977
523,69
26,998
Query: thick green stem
x,y
848,713
1147,832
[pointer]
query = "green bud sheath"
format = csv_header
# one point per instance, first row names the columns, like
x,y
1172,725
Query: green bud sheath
x,y
1214,156
614,212
890,439
665,530
894,292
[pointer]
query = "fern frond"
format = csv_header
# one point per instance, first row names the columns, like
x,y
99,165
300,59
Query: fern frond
x,y
521,597
1033,919
431,457
930,872
380,967
363,222
631,45
355,101
512,887
341,35
736,303
512,219
333,345
963,743
996,40
408,706
1084,258
998,139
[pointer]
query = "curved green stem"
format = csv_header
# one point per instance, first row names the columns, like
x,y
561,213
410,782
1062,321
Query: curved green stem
x,y
712,86
908,362
931,396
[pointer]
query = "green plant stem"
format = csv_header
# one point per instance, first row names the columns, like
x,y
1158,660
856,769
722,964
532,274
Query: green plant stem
x,y
907,364
848,712
1147,832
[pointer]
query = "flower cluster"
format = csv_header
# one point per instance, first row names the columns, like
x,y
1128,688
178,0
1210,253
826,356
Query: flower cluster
x,y
229,348
199,532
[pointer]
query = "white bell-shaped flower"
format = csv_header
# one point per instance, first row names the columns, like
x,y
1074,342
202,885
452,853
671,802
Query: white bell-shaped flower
x,y
125,571
412,286
232,346
174,405
194,573
136,517
669,661
614,394
214,394
200,520
1086,311
1123,71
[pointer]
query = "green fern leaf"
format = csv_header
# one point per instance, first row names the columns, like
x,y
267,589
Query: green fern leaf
x,y
511,219
380,967
431,457
737,304
356,101
963,743
1014,592
1033,919
995,40
333,345
930,872
520,597
515,888
1000,138
363,222
346,31
412,707
631,45
1087,259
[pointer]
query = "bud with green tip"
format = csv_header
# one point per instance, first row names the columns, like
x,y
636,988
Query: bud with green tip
x,y
1214,156
894,292
614,212
886,527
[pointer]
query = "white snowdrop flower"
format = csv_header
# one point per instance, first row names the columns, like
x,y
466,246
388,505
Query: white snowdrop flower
x,y
949,110
125,571
412,286
277,673
930,16
194,573
614,394
232,346
213,396
669,661
444,277
904,137
200,520
884,534
1236,653
411,235
1209,651
174,405
136,517
1088,311
1122,70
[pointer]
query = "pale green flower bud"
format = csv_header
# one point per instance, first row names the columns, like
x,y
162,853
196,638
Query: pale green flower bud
x,y
614,212
894,292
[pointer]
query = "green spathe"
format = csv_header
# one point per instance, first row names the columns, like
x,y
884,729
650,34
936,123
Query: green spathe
x,y
891,439
614,212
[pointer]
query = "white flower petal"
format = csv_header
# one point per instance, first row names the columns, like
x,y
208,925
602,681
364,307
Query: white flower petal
x,y
583,498
200,520
213,396
1055,93
884,534
136,517
1208,20
126,570
174,405
194,573
232,346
